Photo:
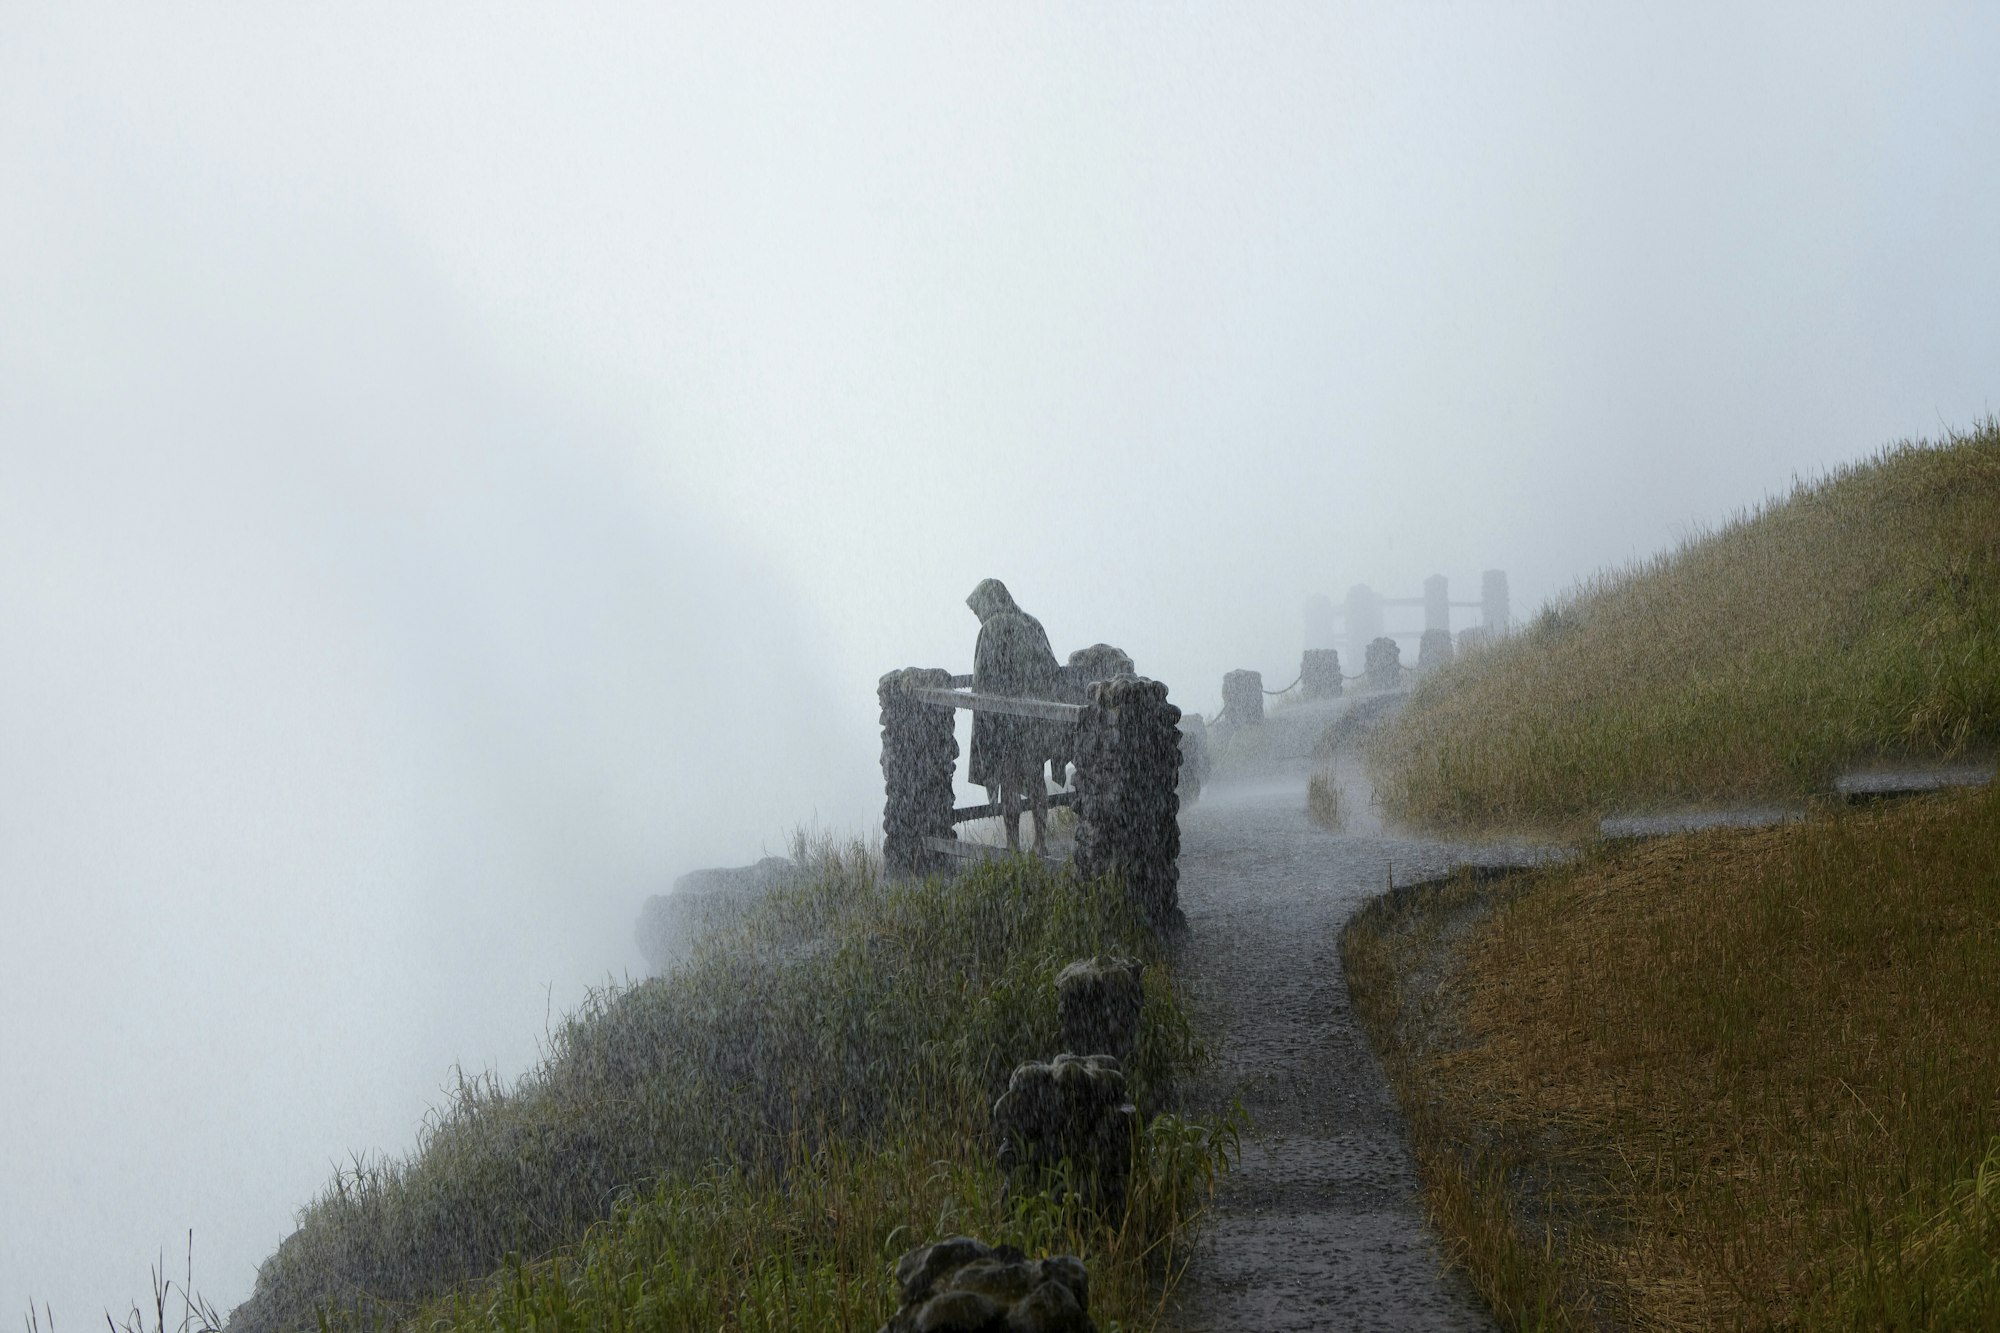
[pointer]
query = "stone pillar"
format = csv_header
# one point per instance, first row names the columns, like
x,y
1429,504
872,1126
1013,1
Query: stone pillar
x,y
962,1286
1072,1109
919,757
1437,604
1242,698
1194,758
1098,1001
1385,664
1364,619
1128,759
1319,673
1434,649
1493,602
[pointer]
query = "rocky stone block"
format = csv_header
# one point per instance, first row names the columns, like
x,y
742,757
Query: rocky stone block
x,y
1434,649
1100,661
1242,698
1098,1003
1319,673
1384,668
919,758
963,1286
1069,1112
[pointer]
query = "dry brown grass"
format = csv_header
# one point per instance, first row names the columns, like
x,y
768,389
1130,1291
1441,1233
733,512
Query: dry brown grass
x,y
1856,619
1323,801
1722,1080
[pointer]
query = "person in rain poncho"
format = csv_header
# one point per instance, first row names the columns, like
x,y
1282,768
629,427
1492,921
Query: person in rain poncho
x,y
1012,657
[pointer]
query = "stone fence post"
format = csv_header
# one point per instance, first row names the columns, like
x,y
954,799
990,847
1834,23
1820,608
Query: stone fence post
x,y
1385,664
1128,758
1242,698
1493,613
919,757
1319,673
1434,650
1364,619
1437,604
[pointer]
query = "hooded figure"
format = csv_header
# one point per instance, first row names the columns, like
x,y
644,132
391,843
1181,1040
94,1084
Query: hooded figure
x,y
1012,657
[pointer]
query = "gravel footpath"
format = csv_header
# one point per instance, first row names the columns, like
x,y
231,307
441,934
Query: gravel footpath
x,y
1321,1225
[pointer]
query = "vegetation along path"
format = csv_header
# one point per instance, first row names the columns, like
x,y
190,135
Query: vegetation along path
x,y
1321,1225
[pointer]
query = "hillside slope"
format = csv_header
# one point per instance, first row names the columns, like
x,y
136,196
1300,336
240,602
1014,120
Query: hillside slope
x,y
1854,620
1728,1079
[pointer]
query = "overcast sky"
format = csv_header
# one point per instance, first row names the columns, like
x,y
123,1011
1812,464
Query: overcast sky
x,y
461,466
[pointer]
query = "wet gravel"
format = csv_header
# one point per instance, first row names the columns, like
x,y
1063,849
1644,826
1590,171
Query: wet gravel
x,y
1321,1226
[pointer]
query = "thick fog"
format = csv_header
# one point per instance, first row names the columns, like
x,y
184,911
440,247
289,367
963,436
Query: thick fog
x,y
461,466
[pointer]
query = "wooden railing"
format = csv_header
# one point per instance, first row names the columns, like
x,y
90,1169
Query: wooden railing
x,y
1125,743
1048,710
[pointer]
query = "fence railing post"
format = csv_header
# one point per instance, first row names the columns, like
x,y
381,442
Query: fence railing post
x,y
919,758
1242,698
1364,620
1128,758
1384,667
1493,612
1434,650
1437,604
1319,673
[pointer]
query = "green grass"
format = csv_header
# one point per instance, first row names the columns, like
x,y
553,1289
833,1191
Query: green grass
x,y
1855,620
749,1141
1724,1080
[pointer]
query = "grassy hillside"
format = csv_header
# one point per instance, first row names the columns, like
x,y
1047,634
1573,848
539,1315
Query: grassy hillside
x,y
1856,619
750,1141
1723,1080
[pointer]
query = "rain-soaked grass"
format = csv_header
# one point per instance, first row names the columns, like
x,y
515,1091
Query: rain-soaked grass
x,y
1856,619
1721,1080
1323,800
750,1141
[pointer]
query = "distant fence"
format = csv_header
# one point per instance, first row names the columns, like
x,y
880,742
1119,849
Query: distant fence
x,y
1362,622
1124,740
1361,618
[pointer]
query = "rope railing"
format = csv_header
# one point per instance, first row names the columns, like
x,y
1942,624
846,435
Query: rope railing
x,y
1359,675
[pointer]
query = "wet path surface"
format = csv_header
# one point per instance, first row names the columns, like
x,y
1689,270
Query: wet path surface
x,y
1321,1225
